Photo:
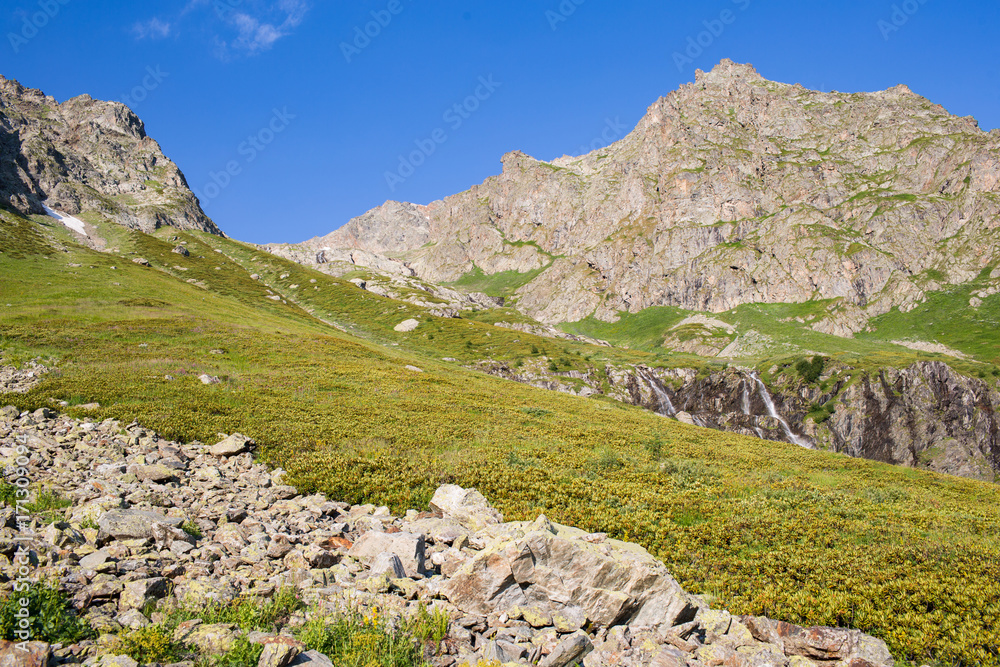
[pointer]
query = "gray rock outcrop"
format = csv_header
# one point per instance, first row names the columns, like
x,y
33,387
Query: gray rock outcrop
x,y
88,156
731,190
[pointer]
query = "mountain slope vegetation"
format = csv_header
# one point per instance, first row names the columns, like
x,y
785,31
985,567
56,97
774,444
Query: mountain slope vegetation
x,y
760,527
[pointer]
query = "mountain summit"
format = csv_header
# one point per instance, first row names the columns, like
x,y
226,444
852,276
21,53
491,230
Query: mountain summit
x,y
731,190
85,155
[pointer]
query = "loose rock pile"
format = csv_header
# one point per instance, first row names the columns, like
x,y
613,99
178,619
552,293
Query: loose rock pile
x,y
14,380
516,593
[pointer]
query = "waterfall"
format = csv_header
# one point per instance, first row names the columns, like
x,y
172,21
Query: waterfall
x,y
666,405
771,410
746,406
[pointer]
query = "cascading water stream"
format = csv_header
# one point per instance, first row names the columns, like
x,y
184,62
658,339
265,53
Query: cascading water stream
x,y
746,406
771,410
666,405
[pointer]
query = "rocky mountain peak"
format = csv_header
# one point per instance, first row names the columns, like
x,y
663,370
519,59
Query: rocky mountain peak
x,y
111,116
726,72
731,190
408,228
89,157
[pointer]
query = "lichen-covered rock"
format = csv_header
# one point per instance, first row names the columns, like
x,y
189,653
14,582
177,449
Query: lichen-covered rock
x,y
467,506
212,639
279,651
409,548
28,654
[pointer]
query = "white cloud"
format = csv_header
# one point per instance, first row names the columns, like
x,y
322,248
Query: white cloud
x,y
241,27
259,31
152,29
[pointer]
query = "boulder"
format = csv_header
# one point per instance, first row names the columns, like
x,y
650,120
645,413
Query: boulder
x,y
569,651
279,651
213,639
408,547
30,654
116,661
609,583
311,659
407,326
501,652
200,591
136,594
132,618
134,524
232,537
94,560
388,564
467,506
819,644
569,619
231,446
159,474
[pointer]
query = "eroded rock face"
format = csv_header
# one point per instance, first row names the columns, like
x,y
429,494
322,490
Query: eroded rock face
x,y
550,570
926,415
85,155
527,593
731,190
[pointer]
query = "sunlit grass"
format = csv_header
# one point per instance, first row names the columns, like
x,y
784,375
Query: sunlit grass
x,y
764,527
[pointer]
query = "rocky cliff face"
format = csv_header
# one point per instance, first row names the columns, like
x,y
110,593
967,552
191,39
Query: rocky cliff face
x,y
924,416
731,190
87,155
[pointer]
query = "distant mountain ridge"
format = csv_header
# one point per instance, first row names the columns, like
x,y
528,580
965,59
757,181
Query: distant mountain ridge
x,y
731,190
86,155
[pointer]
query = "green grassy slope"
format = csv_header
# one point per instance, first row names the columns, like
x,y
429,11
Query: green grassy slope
x,y
945,318
761,527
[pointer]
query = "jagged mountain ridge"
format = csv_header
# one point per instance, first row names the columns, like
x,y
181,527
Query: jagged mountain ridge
x,y
85,155
731,190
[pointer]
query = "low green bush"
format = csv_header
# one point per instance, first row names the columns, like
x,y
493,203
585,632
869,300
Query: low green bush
x,y
49,617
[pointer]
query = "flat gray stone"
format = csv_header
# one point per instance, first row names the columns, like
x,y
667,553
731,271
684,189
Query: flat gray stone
x,y
231,446
134,524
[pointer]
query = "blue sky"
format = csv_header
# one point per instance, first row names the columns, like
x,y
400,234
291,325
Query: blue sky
x,y
286,117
